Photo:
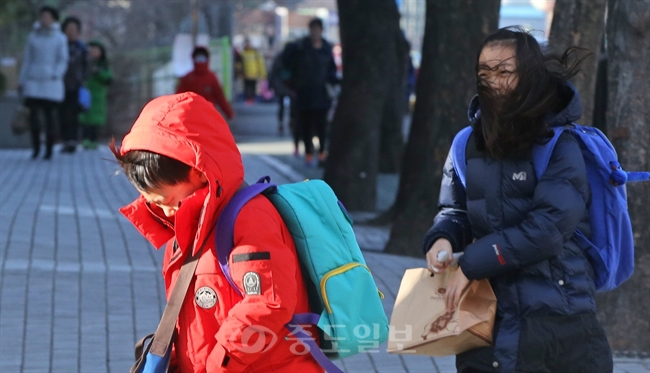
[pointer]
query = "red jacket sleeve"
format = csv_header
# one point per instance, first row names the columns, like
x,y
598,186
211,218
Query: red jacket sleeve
x,y
220,98
261,257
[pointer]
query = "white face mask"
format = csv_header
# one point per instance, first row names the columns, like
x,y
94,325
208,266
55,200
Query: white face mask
x,y
200,59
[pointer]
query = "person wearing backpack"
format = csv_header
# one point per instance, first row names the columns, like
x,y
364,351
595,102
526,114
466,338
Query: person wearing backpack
x,y
516,228
182,158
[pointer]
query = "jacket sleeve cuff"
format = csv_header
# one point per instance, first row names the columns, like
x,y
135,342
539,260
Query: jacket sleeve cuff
x,y
432,237
445,228
220,361
486,258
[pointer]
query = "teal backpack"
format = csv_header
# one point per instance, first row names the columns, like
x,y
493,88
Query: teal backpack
x,y
343,296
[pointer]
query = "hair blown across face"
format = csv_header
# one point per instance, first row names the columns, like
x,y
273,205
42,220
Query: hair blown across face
x,y
511,122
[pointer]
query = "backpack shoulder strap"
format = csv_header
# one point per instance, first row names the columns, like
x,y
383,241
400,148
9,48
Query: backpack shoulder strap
x,y
458,149
224,242
163,336
224,237
542,153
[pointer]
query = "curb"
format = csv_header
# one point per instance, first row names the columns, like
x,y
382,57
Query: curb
x,y
282,168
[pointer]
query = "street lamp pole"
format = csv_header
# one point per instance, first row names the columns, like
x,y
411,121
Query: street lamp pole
x,y
194,5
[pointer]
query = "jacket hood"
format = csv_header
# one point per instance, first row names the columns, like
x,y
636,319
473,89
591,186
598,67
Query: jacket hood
x,y
187,128
201,49
55,26
571,112
306,41
201,67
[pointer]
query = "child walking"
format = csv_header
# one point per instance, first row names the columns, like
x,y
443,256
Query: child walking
x,y
97,83
182,158
516,230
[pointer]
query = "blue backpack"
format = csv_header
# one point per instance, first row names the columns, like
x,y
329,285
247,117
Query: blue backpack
x,y
344,298
85,98
611,247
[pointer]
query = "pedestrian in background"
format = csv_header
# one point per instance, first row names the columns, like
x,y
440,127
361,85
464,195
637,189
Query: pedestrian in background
x,y
311,67
516,230
45,60
100,76
254,69
205,82
74,79
283,93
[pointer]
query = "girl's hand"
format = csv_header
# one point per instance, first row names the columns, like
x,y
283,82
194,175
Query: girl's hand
x,y
433,265
457,284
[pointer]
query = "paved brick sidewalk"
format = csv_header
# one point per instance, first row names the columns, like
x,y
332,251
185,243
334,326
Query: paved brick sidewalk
x,y
78,284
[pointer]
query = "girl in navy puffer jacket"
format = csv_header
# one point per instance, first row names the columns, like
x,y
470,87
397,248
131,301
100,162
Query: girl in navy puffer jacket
x,y
516,230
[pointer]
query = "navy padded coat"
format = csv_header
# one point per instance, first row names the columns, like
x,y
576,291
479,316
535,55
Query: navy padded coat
x,y
517,231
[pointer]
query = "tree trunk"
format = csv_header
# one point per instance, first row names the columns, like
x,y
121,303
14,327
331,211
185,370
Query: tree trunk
x,y
371,41
453,33
580,23
624,311
391,146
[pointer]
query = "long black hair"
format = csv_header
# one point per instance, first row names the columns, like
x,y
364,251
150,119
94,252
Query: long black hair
x,y
510,124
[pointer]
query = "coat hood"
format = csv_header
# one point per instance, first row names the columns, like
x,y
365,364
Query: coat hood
x,y
187,128
56,26
201,67
571,112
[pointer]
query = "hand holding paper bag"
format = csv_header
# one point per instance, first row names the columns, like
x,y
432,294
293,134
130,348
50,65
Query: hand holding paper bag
x,y
421,324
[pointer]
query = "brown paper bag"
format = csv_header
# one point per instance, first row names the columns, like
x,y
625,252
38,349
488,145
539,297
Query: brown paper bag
x,y
420,324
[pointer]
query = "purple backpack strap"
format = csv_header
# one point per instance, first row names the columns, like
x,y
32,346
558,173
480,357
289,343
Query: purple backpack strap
x,y
309,342
224,237
224,242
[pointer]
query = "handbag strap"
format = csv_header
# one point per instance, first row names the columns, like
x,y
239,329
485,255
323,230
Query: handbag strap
x,y
163,336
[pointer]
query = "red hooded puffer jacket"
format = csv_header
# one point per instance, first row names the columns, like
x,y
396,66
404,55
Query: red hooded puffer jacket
x,y
218,330
204,82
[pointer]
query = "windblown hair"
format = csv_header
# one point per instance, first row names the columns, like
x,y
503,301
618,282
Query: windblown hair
x,y
148,171
510,124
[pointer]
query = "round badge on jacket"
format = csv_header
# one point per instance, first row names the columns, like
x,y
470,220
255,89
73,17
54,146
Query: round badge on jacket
x,y
205,297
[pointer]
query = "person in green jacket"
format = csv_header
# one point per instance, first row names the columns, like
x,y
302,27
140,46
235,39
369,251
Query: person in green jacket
x,y
99,79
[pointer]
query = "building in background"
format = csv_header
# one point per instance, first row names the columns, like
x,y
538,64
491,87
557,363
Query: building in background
x,y
532,15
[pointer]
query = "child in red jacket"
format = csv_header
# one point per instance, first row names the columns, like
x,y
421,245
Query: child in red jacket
x,y
204,82
182,158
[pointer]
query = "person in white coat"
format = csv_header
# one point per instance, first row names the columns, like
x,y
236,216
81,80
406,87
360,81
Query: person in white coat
x,y
44,64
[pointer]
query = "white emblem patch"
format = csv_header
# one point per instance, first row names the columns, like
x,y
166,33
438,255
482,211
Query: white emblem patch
x,y
252,284
521,176
205,297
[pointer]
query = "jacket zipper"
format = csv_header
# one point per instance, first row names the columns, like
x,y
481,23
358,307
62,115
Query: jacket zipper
x,y
338,271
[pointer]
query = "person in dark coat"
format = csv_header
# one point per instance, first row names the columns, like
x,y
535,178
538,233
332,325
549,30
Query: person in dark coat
x,y
205,82
515,230
277,80
311,67
74,78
